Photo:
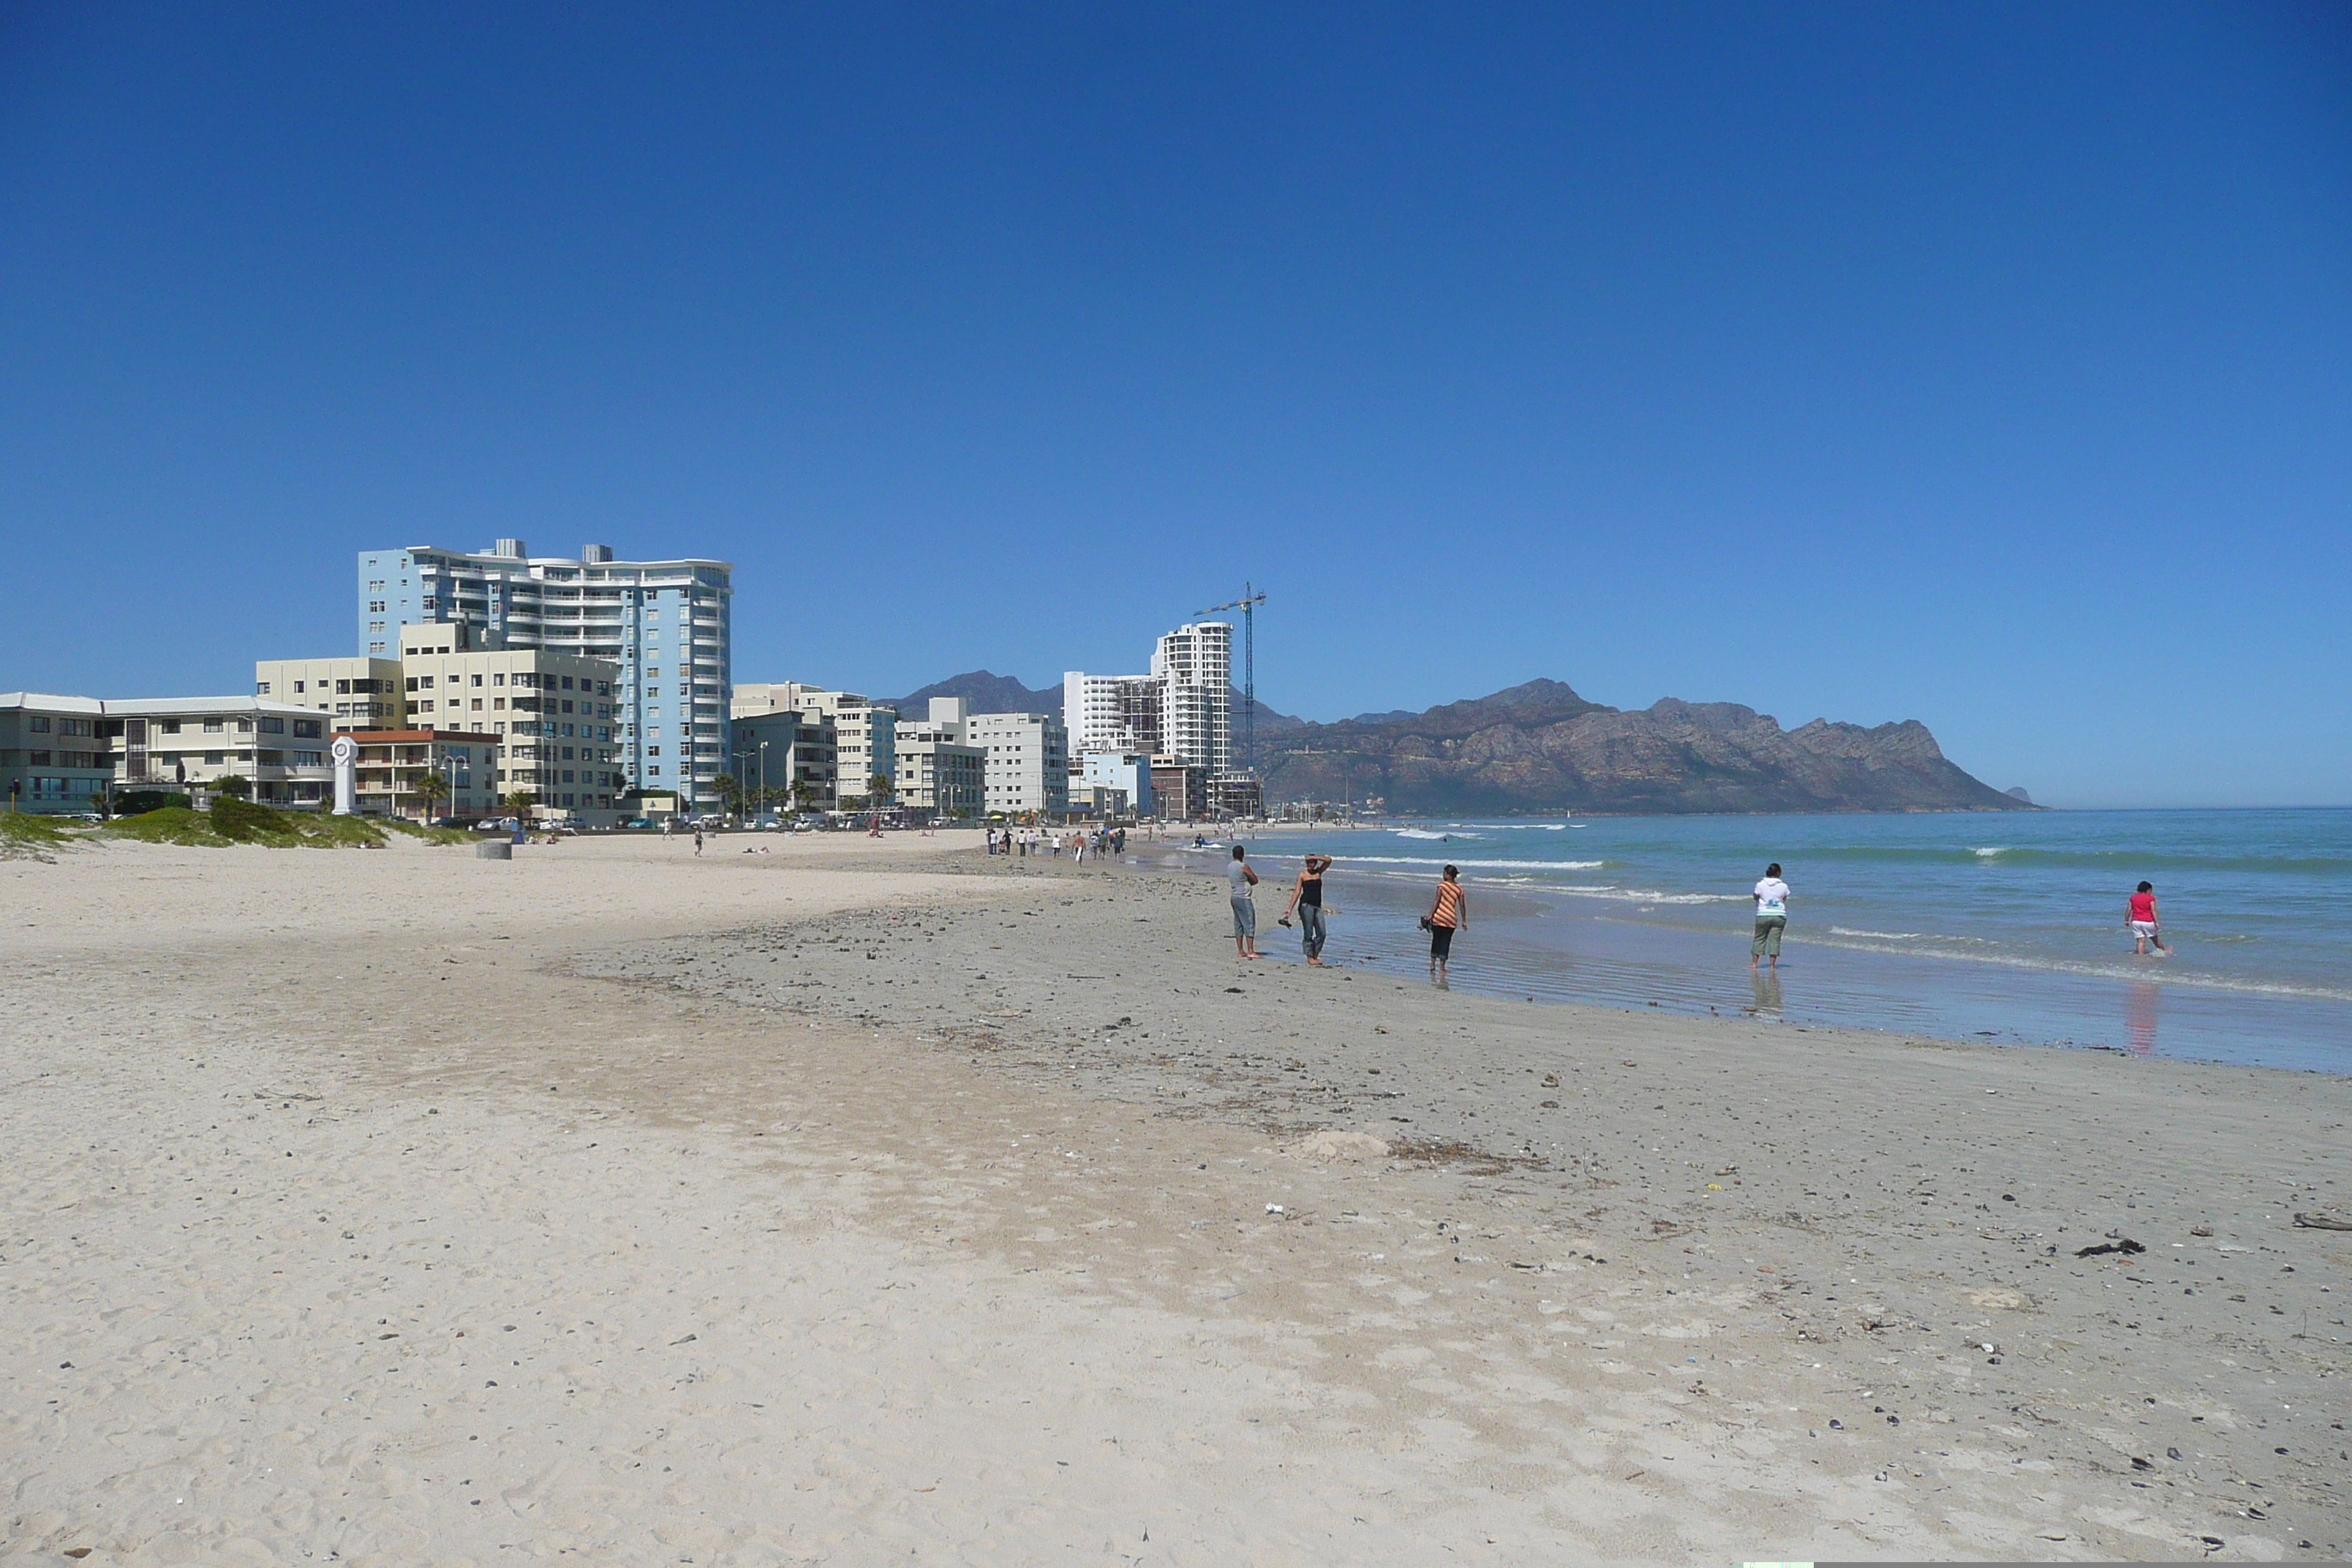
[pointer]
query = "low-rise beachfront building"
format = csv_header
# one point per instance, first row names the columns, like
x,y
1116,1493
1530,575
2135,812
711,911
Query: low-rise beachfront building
x,y
392,766
553,716
51,759
1025,762
864,731
1180,790
356,693
940,773
1126,772
278,749
784,761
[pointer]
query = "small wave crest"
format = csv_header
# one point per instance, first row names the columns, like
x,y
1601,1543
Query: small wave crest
x,y
1473,865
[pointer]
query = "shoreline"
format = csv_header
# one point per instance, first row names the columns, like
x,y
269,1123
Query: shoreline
x,y
1080,1249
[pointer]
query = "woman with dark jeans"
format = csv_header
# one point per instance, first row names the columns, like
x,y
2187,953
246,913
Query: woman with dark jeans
x,y
1448,912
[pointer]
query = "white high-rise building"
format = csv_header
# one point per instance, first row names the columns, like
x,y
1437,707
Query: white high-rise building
x,y
665,623
1025,762
1195,666
1113,713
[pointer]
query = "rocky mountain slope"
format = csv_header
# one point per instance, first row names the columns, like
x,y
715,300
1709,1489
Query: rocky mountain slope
x,y
1542,748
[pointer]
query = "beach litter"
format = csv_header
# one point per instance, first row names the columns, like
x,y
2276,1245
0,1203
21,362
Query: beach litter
x,y
2321,1222
2126,1246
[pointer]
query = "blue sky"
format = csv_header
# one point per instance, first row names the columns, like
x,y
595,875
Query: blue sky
x,y
1987,365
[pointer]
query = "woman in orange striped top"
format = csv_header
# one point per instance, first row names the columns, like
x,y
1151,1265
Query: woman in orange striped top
x,y
1449,914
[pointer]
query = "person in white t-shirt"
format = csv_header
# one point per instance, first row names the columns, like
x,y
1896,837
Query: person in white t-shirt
x,y
1771,918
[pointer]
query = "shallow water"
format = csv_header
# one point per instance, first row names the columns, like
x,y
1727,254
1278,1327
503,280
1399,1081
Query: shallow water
x,y
1984,925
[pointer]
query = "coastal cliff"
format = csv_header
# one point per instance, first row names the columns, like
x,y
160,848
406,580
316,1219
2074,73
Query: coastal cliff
x,y
1539,747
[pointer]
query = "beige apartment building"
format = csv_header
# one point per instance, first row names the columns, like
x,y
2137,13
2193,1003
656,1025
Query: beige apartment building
x,y
547,719
178,742
354,693
938,771
865,731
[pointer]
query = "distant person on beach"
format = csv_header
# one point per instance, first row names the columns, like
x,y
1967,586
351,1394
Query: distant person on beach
x,y
2141,915
1771,918
1239,880
1448,912
1306,902
697,838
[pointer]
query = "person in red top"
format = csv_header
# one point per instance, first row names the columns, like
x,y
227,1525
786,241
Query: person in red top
x,y
2142,919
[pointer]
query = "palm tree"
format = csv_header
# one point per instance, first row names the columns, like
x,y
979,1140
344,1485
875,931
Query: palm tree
x,y
429,789
518,802
881,789
731,793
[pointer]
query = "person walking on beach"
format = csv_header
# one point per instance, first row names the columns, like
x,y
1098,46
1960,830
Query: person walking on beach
x,y
1239,880
1448,912
2141,916
697,838
1771,918
1306,902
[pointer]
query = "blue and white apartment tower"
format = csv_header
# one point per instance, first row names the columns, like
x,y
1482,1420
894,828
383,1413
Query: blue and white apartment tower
x,y
665,622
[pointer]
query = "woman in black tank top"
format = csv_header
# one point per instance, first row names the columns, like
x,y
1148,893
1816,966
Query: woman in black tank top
x,y
1306,902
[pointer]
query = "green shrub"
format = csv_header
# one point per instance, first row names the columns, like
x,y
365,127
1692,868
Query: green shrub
x,y
241,821
30,827
139,801
166,825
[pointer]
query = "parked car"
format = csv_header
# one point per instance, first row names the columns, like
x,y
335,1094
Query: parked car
x,y
639,822
495,825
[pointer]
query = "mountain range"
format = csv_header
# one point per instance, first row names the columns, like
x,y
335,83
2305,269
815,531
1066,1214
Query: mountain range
x,y
1539,747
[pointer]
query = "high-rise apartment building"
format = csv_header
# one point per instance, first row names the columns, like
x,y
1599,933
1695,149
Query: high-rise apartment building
x,y
1116,713
865,730
664,623
1194,665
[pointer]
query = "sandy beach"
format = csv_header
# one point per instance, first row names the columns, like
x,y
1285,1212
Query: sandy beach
x,y
868,1201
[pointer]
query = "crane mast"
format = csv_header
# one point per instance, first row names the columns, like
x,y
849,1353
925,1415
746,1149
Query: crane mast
x,y
1251,597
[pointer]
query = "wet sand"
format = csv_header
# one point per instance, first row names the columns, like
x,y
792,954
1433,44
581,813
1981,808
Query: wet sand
x,y
860,1201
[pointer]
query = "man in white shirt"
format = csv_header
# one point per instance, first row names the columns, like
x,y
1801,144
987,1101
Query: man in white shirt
x,y
1771,918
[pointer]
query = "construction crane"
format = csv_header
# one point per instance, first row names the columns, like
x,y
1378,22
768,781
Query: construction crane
x,y
1251,597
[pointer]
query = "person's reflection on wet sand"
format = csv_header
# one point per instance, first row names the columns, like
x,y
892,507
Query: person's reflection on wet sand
x,y
1768,993
2139,1016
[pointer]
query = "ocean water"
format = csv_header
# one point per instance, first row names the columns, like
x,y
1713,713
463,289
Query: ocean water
x,y
2004,926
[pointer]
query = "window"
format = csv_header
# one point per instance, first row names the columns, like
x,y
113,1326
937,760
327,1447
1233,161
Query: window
x,y
171,726
40,758
215,759
477,680
212,726
307,728
261,688
498,677
567,706
273,726
654,751
38,724
375,607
